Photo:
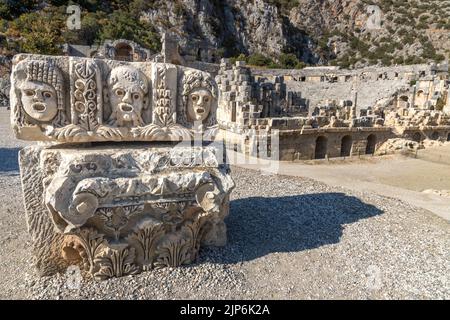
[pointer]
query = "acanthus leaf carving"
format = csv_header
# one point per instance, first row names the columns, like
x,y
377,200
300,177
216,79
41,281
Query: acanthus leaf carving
x,y
116,261
92,243
173,252
145,240
116,218
196,229
71,132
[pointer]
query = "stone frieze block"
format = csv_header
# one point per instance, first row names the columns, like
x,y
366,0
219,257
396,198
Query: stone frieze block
x,y
72,99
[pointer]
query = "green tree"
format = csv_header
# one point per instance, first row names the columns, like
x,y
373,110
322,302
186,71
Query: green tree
x,y
10,9
39,32
288,60
122,25
258,59
240,57
90,29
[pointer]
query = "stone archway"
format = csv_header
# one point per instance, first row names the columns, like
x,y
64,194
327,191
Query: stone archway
x,y
448,136
435,135
346,146
404,98
371,144
124,52
417,137
320,151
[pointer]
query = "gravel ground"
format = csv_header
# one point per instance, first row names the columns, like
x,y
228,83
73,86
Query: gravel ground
x,y
289,238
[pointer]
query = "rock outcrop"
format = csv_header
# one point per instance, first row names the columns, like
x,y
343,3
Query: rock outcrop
x,y
353,31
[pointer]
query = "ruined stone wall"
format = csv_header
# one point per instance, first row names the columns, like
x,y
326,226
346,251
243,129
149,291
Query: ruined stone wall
x,y
120,49
374,85
302,146
355,111
369,92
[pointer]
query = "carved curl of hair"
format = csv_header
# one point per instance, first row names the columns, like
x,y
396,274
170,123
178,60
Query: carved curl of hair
x,y
192,80
130,74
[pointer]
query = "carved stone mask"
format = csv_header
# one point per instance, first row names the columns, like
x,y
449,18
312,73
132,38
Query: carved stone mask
x,y
127,95
199,104
39,100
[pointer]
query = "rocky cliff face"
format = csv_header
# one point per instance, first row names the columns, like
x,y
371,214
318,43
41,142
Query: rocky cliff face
x,y
316,31
233,26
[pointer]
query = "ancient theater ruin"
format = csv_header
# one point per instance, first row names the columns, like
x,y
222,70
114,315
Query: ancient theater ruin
x,y
327,112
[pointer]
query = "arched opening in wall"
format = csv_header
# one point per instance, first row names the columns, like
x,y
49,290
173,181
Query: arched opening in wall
x,y
199,54
435,135
448,136
403,102
320,151
417,137
124,52
396,75
346,146
404,98
371,144
233,113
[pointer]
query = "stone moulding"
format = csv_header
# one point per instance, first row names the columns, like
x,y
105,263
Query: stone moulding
x,y
93,198
116,210
71,99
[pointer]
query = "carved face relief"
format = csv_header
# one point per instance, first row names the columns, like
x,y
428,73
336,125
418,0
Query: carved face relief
x,y
39,100
199,104
127,92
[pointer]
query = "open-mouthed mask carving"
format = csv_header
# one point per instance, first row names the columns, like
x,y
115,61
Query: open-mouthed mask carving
x,y
39,100
199,104
127,93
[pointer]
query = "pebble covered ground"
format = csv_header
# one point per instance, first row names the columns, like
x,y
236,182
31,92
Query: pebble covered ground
x,y
288,238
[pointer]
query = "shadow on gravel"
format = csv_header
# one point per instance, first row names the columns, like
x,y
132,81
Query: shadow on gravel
x,y
9,163
259,226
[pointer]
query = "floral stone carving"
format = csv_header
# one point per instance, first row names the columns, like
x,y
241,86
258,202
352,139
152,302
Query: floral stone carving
x,y
117,209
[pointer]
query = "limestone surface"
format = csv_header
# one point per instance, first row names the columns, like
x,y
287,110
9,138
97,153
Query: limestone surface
x,y
118,188
81,99
116,210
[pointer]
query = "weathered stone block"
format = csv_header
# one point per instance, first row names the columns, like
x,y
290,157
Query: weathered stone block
x,y
244,77
254,115
71,99
120,209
